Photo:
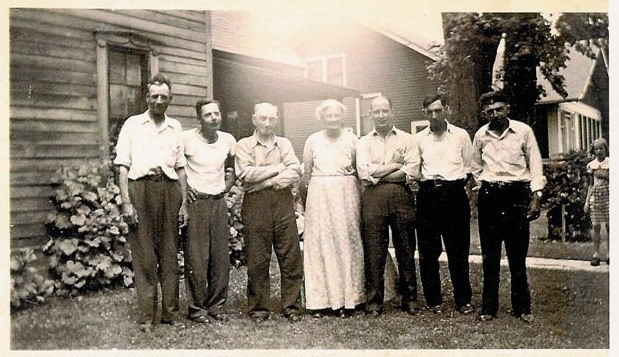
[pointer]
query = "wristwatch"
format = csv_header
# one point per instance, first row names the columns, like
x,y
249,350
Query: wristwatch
x,y
538,193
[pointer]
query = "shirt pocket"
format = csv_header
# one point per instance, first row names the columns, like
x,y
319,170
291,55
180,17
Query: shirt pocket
x,y
513,153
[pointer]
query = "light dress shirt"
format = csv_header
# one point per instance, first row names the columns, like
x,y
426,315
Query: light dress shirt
x,y
447,156
513,156
373,150
255,160
145,148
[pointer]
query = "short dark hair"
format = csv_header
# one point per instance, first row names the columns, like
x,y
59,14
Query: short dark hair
x,y
492,97
433,98
203,102
159,79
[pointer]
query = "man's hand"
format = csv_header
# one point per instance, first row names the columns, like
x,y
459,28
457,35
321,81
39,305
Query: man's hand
x,y
534,208
257,186
192,194
398,156
183,216
586,207
129,213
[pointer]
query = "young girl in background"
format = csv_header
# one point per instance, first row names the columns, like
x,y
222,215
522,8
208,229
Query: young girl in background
x,y
597,197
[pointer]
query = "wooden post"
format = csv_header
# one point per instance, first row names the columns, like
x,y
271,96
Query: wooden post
x,y
563,223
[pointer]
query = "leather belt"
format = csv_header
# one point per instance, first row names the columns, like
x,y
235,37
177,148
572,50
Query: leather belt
x,y
442,183
506,184
206,196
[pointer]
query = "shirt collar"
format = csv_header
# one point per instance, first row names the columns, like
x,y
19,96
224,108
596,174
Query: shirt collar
x,y
256,141
446,130
166,120
392,130
510,127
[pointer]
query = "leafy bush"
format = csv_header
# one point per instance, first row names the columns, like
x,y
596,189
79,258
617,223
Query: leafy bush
x,y
28,286
87,244
234,201
567,187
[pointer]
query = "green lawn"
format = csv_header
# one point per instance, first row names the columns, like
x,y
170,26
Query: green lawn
x,y
571,309
540,246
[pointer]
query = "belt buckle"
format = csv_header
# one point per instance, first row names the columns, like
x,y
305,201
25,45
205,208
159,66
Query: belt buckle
x,y
438,183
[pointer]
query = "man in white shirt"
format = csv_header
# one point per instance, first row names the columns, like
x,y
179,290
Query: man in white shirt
x,y
153,186
385,158
445,153
508,163
207,263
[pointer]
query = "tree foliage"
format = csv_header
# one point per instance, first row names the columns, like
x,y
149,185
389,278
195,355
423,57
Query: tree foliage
x,y
471,40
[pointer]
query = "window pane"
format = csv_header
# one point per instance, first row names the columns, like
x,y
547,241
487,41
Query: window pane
x,y
117,67
134,72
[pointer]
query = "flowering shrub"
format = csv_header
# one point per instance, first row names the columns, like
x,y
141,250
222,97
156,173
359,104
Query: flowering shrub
x,y
566,192
234,201
87,244
28,286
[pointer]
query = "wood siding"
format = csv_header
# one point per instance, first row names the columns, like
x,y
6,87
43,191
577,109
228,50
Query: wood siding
x,y
53,87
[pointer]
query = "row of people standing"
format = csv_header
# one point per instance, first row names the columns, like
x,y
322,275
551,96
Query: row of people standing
x,y
505,160
164,171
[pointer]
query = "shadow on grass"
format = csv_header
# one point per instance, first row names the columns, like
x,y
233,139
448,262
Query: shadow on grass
x,y
571,309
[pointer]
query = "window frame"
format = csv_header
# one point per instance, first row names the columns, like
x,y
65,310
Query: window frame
x,y
130,41
324,73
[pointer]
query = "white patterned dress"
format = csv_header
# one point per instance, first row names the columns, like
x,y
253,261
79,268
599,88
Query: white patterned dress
x,y
333,250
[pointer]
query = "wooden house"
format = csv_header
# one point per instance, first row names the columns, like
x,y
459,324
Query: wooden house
x,y
573,122
77,74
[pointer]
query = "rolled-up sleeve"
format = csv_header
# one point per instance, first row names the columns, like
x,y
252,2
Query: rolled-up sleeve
x,y
411,158
365,167
293,168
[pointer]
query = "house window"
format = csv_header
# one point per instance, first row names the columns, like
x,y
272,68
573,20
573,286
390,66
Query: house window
x,y
128,75
419,125
328,69
577,130
124,64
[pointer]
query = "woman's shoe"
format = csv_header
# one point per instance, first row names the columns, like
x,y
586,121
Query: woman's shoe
x,y
595,261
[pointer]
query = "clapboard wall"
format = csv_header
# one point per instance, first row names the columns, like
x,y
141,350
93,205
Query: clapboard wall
x,y
54,110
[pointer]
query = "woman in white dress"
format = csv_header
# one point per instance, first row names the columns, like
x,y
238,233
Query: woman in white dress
x,y
333,251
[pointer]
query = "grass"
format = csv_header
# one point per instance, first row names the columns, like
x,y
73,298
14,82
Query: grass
x,y
539,244
572,311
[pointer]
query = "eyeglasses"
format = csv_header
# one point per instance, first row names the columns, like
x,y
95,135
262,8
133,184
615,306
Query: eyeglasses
x,y
494,110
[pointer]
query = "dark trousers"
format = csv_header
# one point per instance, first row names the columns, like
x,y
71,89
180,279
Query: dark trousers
x,y
207,259
153,248
270,224
502,216
443,211
388,206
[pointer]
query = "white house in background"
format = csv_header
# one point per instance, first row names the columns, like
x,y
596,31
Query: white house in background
x,y
572,123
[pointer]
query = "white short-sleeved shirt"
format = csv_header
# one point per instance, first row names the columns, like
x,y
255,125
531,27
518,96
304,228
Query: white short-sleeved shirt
x,y
144,148
205,162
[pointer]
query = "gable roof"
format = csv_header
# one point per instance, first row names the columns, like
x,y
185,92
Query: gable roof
x,y
416,44
578,73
